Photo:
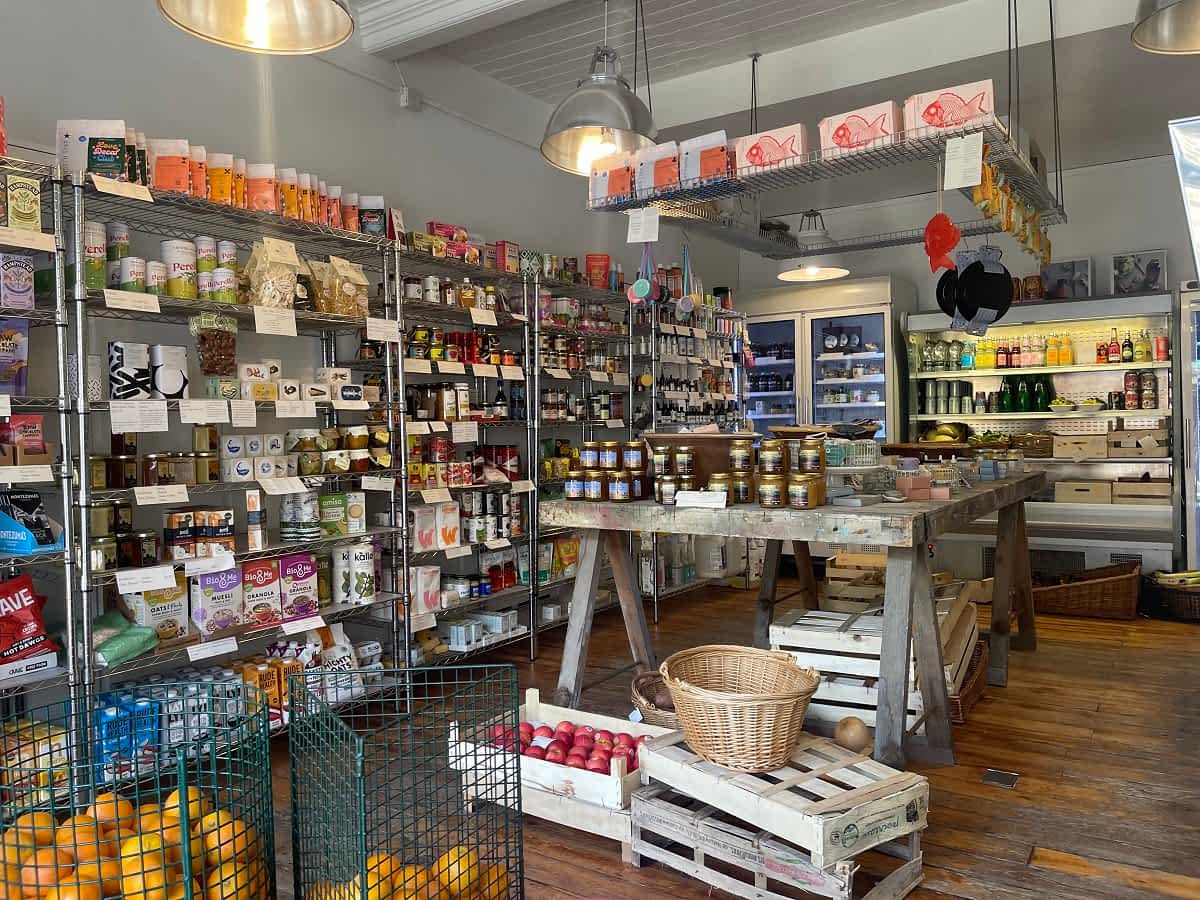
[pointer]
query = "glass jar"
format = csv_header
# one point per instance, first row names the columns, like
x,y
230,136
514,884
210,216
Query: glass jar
x,y
620,487
102,518
309,462
158,468
354,437
808,456
740,455
205,437
803,491
722,483
335,462
102,554
122,517
594,484
633,455
589,456
662,460
124,444
770,491
185,468
208,466
97,471
664,490
573,488
122,472
299,440
743,489
610,455
360,460
770,457
685,483
685,460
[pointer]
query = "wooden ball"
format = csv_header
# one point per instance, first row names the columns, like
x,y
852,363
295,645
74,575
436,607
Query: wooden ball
x,y
853,734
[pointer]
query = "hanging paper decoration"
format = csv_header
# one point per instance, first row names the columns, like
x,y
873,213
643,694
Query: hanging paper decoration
x,y
941,236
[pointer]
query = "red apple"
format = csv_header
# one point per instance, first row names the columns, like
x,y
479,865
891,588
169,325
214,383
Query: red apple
x,y
623,740
525,728
585,729
557,745
576,762
534,752
555,754
543,731
565,736
596,764
604,734
577,754
565,726
606,743
583,740
600,754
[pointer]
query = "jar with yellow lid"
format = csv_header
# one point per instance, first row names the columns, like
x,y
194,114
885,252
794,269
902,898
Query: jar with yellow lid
x,y
805,491
664,490
589,456
722,483
685,483
610,455
807,456
742,489
770,491
633,456
661,458
620,487
685,460
573,487
208,467
770,457
741,453
595,484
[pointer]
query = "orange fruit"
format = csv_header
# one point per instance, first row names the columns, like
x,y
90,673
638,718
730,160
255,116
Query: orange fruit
x,y
106,872
144,811
431,890
73,890
232,839
144,854
35,828
493,882
415,883
238,880
45,868
110,807
178,890
81,837
150,885
170,830
380,869
457,869
197,805
15,848
10,883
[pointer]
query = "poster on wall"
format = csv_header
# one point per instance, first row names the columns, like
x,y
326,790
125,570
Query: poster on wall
x,y
1138,272
1068,279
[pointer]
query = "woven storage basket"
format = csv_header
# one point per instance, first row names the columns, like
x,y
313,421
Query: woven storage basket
x,y
1110,592
740,707
641,691
1180,601
973,685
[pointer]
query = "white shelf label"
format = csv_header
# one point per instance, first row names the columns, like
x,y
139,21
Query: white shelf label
x,y
219,562
122,188
520,317
134,300
964,162
512,373
457,552
295,409
153,495
614,423
299,626
5,405
497,543
701,499
666,327
438,426
643,226
276,487
25,474
598,376
209,649
561,374
417,428
203,412
620,378
418,366
385,483
483,316
383,330
482,370
137,415
464,432
151,578
699,332
522,487
27,238
436,495
275,320
451,367
243,414
695,360
351,405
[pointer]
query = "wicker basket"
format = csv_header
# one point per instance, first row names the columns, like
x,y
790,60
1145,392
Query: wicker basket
x,y
1180,601
643,686
1110,592
1036,445
740,707
971,691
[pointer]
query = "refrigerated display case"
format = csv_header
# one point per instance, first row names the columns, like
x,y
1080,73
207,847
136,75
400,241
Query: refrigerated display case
x,y
829,354
1189,407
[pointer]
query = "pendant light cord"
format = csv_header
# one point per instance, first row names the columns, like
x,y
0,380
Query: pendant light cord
x,y
639,19
1058,164
754,92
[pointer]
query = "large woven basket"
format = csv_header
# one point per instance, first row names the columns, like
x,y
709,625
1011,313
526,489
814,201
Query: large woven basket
x,y
1110,592
740,707
642,691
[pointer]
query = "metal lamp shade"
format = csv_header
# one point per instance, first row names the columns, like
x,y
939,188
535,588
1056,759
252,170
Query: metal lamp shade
x,y
601,117
1167,26
264,26
818,268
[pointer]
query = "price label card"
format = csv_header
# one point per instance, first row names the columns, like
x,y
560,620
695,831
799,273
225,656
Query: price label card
x,y
272,320
384,483
299,626
451,367
964,162
520,317
435,495
209,649
5,405
522,487
418,428
643,225
276,487
151,578
598,376
134,300
418,366
30,240
153,495
220,562
620,378
728,364
438,426
352,405
137,415
25,474
695,360
561,374
666,327
457,552
701,499
243,414
122,188
482,370
383,330
699,332
614,423
204,412
497,543
295,409
483,316
512,373
464,432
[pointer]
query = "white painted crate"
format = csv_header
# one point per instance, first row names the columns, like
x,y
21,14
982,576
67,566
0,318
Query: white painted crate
x,y
833,803
688,835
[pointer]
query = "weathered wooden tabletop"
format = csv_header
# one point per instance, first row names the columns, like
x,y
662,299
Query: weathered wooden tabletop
x,y
884,524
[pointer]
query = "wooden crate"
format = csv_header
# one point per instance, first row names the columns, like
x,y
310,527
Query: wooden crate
x,y
688,835
1135,492
1080,446
1139,443
1067,491
827,800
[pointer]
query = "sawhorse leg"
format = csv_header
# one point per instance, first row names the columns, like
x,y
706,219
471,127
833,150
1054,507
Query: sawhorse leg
x,y
1013,584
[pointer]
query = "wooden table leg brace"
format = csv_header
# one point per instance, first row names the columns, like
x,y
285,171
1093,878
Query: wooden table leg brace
x,y
583,605
1013,583
768,588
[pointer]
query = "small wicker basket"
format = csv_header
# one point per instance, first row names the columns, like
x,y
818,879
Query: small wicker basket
x,y
740,707
641,692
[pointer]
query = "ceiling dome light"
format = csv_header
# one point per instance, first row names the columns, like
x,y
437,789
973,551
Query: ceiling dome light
x,y
264,26
824,267
1167,26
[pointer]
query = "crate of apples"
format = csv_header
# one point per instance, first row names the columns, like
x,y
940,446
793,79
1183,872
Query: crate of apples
x,y
577,745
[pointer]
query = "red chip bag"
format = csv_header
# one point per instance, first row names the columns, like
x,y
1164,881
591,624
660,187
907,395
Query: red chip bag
x,y
22,632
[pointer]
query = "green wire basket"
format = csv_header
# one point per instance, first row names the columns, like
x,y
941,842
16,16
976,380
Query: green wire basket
x,y
379,765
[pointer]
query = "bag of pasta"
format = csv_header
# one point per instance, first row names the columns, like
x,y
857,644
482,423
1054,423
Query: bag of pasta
x,y
324,294
349,285
272,271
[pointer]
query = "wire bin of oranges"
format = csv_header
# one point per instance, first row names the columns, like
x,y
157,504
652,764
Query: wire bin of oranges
x,y
161,793
378,808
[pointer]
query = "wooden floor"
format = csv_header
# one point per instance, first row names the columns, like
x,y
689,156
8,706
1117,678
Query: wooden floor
x,y
1101,725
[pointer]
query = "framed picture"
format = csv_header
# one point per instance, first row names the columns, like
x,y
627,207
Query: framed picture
x,y
1139,271
1068,279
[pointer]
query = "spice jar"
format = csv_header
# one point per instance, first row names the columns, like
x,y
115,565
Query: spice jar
x,y
721,483
685,460
594,484
743,489
620,487
740,455
610,455
573,487
803,491
158,468
589,456
208,466
633,456
808,456
770,457
664,490
770,491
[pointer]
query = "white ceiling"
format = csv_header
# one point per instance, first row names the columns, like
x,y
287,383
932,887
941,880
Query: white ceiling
x,y
547,53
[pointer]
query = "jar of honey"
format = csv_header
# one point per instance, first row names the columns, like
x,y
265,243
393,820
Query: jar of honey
x,y
740,456
770,491
722,483
770,457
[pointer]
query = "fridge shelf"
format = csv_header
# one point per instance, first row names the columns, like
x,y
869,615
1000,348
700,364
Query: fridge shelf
x,y
1039,370
766,361
865,379
862,354
770,394
1086,414
870,403
787,415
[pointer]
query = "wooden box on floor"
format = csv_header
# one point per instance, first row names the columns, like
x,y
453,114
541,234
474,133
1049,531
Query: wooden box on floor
x,y
712,846
833,803
1142,492
854,582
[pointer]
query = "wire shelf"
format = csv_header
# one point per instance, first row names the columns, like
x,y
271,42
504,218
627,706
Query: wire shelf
x,y
262,405
225,487
10,165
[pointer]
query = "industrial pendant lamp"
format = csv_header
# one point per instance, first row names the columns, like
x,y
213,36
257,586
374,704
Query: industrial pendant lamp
x,y
1167,26
825,267
601,117
264,26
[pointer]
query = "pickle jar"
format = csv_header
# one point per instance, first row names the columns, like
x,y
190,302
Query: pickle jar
x,y
620,487
770,491
740,455
770,457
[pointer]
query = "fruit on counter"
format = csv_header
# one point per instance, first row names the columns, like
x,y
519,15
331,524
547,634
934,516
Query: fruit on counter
x,y
575,746
1177,579
945,433
987,437
1059,402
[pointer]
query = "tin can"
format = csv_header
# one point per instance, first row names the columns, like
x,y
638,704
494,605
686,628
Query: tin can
x,y
1133,399
1162,348
1116,400
441,449
429,289
1148,382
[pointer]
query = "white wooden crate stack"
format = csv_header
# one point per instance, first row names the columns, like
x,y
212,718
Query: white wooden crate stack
x,y
799,827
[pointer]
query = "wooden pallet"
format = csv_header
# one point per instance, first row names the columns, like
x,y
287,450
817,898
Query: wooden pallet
x,y
831,802
714,847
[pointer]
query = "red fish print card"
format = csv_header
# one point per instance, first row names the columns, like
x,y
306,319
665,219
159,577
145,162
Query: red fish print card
x,y
951,107
871,126
772,149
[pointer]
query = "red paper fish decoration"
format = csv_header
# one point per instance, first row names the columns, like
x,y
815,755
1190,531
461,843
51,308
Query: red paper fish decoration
x,y
856,131
766,150
949,110
941,236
